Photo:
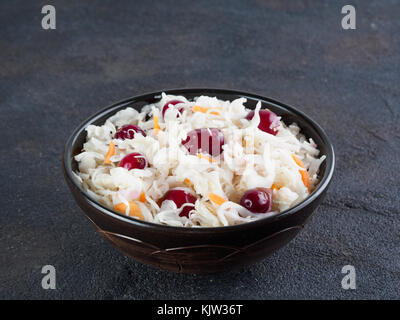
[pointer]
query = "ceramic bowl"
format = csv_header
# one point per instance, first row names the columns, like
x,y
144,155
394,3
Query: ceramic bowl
x,y
200,250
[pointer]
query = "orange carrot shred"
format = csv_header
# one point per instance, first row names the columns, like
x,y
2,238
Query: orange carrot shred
x,y
201,156
189,183
274,187
204,110
216,198
304,174
156,125
134,209
142,197
110,152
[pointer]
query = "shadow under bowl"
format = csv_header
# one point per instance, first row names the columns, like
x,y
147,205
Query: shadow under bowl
x,y
200,250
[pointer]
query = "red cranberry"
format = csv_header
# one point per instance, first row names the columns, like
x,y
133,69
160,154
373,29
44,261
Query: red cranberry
x,y
209,140
128,131
133,161
257,200
181,197
171,103
269,121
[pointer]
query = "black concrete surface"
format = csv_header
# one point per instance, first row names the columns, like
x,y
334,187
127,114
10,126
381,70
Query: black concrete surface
x,y
294,51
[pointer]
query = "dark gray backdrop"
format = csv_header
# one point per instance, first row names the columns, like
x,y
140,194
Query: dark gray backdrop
x,y
294,51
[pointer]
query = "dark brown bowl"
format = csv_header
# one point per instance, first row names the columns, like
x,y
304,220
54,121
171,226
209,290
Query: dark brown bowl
x,y
200,250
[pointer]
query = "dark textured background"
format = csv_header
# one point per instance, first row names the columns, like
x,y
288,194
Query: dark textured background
x,y
294,51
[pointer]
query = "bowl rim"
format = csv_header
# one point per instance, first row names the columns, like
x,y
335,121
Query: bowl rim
x,y
322,185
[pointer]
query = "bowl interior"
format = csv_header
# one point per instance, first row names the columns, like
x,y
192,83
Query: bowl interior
x,y
289,115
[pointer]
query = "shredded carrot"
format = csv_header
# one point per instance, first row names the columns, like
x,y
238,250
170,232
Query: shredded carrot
x,y
156,125
189,183
216,199
274,187
304,174
134,209
201,156
110,152
142,197
204,110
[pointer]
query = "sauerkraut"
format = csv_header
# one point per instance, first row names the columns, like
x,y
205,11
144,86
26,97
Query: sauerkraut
x,y
251,158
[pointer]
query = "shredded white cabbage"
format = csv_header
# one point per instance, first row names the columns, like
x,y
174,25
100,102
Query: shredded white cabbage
x,y
251,158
